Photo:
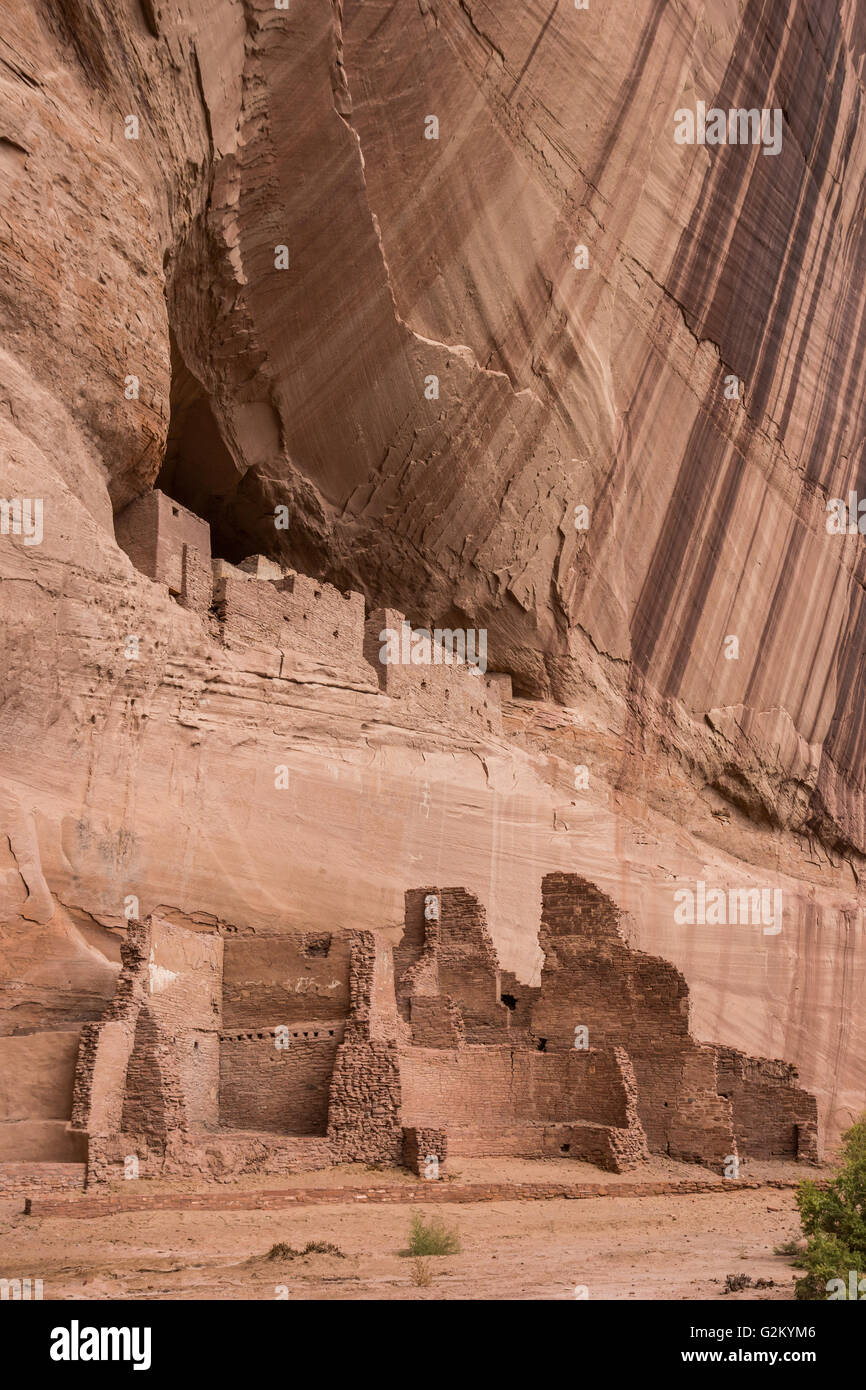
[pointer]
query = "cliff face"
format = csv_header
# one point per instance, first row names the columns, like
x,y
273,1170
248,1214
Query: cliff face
x,y
433,386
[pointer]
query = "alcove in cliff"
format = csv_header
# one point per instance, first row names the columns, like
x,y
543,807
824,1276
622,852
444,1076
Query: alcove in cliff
x,y
198,470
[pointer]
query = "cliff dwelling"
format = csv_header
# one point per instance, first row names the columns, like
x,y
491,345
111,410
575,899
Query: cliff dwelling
x,y
239,1052
432,644
245,1050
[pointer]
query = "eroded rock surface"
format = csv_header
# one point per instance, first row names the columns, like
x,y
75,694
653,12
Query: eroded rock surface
x,y
149,338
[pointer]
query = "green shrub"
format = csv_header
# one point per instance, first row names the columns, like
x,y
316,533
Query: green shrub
x,y
432,1237
834,1221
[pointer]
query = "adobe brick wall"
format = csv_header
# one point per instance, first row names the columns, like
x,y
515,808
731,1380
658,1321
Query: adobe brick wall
x,y
171,545
285,1089
772,1115
303,619
450,694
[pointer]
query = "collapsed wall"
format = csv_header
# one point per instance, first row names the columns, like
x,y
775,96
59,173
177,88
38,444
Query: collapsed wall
x,y
238,1052
593,980
148,1073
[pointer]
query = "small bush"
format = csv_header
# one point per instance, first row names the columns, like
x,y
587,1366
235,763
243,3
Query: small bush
x,y
432,1237
281,1251
422,1274
834,1221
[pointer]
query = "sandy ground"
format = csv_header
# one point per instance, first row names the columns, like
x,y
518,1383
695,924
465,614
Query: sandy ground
x,y
672,1247
537,1170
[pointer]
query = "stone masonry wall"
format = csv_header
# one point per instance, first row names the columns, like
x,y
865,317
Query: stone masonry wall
x,y
445,692
270,1081
305,620
591,978
484,1087
447,971
372,1048
773,1116
280,623
149,1071
365,1101
171,545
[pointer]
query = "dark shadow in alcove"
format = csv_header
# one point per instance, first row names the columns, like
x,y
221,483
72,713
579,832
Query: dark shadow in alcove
x,y
198,470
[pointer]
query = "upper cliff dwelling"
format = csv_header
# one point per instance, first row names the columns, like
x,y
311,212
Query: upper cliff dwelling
x,y
433,623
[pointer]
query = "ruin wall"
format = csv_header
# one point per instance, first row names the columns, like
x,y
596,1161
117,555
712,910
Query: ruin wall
x,y
169,544
277,1081
284,979
451,693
